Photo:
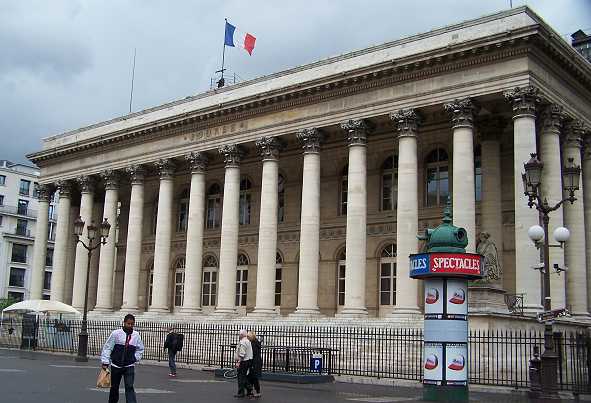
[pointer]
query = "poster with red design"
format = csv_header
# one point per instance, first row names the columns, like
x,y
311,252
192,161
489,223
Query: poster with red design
x,y
433,363
457,299
456,364
434,298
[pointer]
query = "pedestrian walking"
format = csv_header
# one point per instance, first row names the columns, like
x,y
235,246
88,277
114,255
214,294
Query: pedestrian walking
x,y
123,349
256,367
243,359
173,344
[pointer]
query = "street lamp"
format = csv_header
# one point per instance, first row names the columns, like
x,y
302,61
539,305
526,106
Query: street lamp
x,y
92,235
532,179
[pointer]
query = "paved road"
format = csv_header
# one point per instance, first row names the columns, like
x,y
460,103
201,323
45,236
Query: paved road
x,y
46,378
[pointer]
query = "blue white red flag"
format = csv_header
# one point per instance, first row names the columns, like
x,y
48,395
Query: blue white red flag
x,y
233,37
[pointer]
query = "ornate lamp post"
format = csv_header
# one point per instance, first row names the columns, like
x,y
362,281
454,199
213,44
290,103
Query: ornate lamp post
x,y
93,231
532,179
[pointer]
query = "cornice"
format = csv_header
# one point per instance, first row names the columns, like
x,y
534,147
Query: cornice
x,y
419,66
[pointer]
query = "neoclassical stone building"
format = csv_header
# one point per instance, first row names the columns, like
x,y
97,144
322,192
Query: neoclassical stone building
x,y
302,193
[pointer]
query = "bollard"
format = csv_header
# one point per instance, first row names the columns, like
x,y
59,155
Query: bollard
x,y
535,366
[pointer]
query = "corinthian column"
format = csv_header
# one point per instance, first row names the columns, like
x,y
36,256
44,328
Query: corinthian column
x,y
356,246
86,184
406,122
552,191
160,289
269,148
229,232
60,252
194,255
104,292
464,203
40,246
587,207
524,101
309,225
574,220
133,250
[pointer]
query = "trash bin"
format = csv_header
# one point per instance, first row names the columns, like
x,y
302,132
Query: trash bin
x,y
29,333
316,363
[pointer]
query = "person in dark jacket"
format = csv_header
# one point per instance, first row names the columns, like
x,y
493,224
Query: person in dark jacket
x,y
256,368
171,344
123,349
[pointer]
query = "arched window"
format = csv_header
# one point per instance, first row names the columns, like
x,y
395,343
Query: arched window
x,y
214,206
281,199
245,189
183,212
179,282
343,191
437,183
388,275
150,282
241,280
389,183
478,173
210,280
341,267
278,277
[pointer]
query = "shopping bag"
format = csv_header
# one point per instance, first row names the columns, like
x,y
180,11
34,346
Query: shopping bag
x,y
104,378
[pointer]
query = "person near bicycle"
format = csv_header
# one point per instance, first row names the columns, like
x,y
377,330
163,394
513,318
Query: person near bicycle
x,y
242,360
256,367
174,344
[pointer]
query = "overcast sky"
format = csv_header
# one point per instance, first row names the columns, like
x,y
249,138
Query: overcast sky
x,y
67,64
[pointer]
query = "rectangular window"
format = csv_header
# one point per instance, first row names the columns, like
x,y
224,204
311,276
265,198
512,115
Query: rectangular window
x,y
35,190
278,287
17,277
51,231
1,217
21,227
19,253
51,213
241,286
341,283
49,258
23,207
16,296
209,288
2,180
25,187
183,216
343,204
46,297
213,212
1,200
47,280
478,180
244,209
179,281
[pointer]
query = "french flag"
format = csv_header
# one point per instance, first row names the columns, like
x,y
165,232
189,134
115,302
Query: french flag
x,y
245,40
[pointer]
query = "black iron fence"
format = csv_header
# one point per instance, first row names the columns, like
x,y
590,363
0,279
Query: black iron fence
x,y
496,357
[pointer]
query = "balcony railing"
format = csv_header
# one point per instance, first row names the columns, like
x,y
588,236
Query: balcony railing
x,y
16,210
21,232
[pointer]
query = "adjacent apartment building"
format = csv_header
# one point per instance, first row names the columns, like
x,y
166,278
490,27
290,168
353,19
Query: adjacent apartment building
x,y
19,194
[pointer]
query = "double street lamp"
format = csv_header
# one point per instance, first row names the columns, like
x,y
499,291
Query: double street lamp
x,y
532,180
94,232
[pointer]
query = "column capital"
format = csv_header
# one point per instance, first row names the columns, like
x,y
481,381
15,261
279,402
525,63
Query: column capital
x,y
86,183
269,147
64,188
491,128
232,154
310,139
45,192
110,178
407,122
136,173
197,161
574,131
552,118
165,168
524,100
462,112
357,131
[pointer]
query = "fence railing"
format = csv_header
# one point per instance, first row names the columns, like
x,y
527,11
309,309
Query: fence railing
x,y
495,357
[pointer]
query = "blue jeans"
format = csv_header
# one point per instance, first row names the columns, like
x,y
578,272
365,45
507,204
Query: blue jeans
x,y
128,374
171,363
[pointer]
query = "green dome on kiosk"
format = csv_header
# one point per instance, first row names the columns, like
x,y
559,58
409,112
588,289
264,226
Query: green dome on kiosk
x,y
446,237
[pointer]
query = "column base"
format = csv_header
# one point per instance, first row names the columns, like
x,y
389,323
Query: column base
x,y
406,313
224,313
130,309
352,313
263,313
584,317
486,298
102,309
306,313
191,311
158,309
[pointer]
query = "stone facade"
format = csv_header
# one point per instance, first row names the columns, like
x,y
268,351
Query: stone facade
x,y
301,193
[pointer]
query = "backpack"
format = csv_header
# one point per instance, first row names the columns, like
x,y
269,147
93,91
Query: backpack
x,y
179,341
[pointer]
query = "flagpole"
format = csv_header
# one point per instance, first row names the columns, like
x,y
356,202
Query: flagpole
x,y
221,82
132,79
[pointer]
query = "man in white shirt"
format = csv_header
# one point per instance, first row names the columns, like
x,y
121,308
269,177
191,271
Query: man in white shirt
x,y
243,359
